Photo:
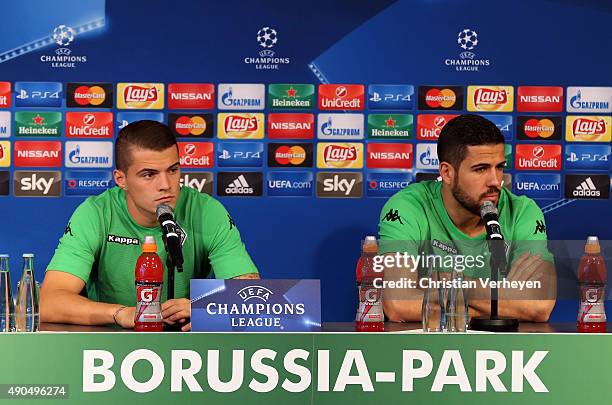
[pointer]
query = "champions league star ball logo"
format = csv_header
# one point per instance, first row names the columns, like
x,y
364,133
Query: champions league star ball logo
x,y
63,35
267,37
467,39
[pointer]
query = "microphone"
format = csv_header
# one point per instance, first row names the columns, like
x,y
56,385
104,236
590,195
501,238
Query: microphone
x,y
172,240
490,217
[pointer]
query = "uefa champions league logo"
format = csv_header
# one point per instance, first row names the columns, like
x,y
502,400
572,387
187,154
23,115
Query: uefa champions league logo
x,y
267,38
63,35
467,39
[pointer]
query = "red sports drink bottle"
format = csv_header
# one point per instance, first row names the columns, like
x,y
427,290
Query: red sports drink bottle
x,y
149,283
592,277
369,316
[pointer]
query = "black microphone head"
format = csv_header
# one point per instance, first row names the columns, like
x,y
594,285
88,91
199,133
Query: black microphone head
x,y
488,208
163,209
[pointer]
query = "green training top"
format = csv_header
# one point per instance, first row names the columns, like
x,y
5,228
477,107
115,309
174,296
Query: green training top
x,y
415,221
102,242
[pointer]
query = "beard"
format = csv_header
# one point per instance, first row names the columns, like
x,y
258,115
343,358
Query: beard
x,y
468,202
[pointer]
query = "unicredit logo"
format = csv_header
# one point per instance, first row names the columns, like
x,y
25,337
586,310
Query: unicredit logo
x,y
341,96
538,157
92,125
196,154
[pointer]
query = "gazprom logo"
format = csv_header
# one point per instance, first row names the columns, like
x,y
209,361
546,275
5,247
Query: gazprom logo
x,y
427,156
241,96
589,99
256,292
340,126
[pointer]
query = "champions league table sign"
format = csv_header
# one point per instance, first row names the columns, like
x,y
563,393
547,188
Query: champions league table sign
x,y
255,305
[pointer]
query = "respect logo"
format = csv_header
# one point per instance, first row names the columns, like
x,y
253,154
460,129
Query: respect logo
x,y
339,155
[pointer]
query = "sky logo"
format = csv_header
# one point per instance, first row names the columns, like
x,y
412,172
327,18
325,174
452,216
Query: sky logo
x,y
38,94
385,184
587,157
390,97
289,184
84,183
240,154
541,186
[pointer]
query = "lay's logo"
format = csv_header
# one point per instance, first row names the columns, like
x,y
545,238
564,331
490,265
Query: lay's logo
x,y
339,155
588,128
490,98
143,96
240,125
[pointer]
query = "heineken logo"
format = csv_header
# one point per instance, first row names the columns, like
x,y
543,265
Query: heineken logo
x,y
390,126
290,96
38,123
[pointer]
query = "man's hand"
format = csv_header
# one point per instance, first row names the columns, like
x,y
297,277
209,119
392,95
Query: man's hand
x,y
177,310
525,267
125,317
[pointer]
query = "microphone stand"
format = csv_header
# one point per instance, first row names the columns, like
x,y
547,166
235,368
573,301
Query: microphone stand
x,y
495,323
172,268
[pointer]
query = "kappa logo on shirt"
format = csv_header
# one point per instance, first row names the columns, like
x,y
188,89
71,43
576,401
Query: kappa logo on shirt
x,y
392,216
232,224
443,246
122,240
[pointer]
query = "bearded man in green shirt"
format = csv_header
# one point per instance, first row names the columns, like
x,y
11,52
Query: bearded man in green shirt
x,y
443,218
97,253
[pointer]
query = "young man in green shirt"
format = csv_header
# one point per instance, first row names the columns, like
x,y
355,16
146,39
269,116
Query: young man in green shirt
x,y
102,241
443,218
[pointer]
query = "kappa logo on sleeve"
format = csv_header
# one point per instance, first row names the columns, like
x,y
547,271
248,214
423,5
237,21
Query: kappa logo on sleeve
x,y
232,224
68,230
540,227
392,216
122,240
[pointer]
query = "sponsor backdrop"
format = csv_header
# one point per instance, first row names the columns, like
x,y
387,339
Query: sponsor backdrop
x,y
302,134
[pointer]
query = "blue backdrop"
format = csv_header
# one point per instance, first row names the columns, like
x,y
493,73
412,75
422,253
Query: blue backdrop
x,y
537,42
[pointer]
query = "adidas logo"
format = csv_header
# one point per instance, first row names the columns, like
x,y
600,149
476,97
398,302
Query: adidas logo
x,y
586,189
239,186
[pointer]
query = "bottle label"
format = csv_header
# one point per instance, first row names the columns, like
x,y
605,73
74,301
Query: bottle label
x,y
370,305
591,304
148,302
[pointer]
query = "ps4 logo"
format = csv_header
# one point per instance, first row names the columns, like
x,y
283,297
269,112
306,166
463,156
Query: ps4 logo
x,y
587,157
240,155
23,94
391,97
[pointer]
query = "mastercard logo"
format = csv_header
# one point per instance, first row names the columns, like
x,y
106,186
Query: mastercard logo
x,y
195,125
445,98
294,155
535,128
89,95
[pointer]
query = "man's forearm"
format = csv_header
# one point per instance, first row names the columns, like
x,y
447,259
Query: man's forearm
x,y
67,307
248,276
523,310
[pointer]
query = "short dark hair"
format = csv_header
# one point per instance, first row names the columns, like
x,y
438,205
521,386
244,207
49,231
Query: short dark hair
x,y
463,131
144,134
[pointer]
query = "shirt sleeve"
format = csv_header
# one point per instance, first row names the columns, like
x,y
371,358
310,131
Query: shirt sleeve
x,y
399,228
80,245
226,252
530,234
